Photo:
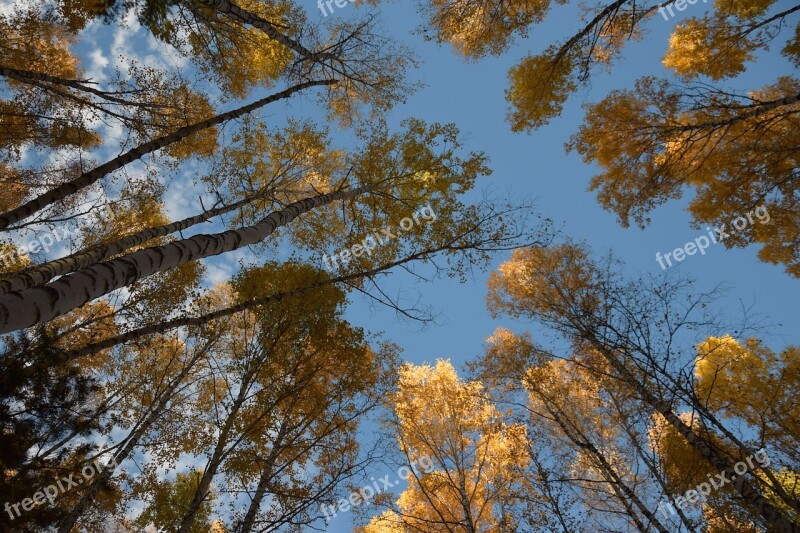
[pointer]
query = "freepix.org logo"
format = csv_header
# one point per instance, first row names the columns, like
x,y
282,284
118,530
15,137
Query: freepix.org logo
x,y
715,236
425,214
322,4
62,485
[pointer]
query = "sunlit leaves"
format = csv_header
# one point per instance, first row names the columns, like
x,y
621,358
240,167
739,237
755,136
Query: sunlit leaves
x,y
751,382
699,46
477,455
736,151
657,141
29,42
476,28
237,58
743,9
544,282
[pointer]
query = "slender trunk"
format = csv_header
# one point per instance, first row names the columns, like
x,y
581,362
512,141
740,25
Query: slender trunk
x,y
41,274
750,494
606,12
86,179
37,78
21,309
89,495
217,456
650,465
627,492
754,111
705,413
629,510
624,493
469,522
264,481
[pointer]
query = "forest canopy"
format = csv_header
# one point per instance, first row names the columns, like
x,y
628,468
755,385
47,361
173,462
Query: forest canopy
x,y
208,206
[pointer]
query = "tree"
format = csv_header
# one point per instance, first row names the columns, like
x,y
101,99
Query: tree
x,y
474,484
593,425
411,156
176,365
563,288
656,141
264,385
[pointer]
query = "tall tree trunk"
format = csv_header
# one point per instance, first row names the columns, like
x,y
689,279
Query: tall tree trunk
x,y
89,495
201,492
755,110
750,494
86,179
41,274
162,327
705,413
657,475
38,79
625,493
21,309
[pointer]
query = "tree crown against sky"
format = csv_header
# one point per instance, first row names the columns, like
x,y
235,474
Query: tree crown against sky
x,y
732,147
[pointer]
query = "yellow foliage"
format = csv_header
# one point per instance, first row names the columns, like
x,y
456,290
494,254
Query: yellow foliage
x,y
703,46
683,467
539,86
654,144
476,29
720,522
27,42
187,107
90,323
751,382
477,456
10,258
792,48
240,57
743,9
537,280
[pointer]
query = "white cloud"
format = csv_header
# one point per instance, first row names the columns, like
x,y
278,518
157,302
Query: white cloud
x,y
98,62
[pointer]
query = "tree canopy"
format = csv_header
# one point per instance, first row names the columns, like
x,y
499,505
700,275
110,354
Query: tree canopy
x,y
197,195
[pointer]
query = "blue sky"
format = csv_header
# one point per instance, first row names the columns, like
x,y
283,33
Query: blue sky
x,y
526,166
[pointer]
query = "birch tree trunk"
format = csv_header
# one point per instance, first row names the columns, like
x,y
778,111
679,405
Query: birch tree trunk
x,y
750,494
21,309
643,456
264,480
88,178
41,274
219,453
37,78
162,327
